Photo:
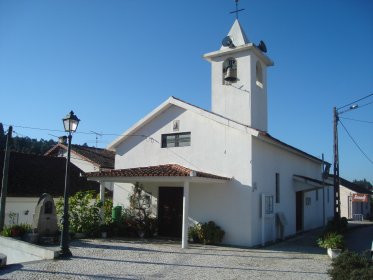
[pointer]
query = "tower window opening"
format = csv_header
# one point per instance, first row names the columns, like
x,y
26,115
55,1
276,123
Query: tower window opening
x,y
259,75
229,71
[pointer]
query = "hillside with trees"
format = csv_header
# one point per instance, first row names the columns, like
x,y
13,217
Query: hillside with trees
x,y
26,145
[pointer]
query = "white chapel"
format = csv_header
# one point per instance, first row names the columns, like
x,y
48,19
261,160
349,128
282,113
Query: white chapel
x,y
222,165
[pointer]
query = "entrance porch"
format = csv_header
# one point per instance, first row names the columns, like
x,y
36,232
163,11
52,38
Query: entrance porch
x,y
172,182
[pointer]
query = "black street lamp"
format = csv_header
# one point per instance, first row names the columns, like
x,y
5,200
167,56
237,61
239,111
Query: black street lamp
x,y
70,123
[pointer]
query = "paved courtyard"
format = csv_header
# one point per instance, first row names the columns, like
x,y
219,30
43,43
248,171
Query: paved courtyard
x,y
297,258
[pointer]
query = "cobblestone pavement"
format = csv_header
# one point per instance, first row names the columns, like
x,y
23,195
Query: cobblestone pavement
x,y
297,258
360,237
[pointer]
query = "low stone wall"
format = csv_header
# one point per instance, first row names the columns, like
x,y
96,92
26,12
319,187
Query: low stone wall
x,y
25,251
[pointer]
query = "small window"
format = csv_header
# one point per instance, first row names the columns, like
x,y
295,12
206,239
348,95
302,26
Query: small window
x,y
259,75
328,195
317,195
308,201
268,204
277,188
176,140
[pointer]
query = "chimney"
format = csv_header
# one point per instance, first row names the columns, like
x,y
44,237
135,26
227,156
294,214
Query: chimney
x,y
62,140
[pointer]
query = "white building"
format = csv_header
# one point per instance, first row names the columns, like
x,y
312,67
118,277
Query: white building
x,y
355,200
222,165
87,159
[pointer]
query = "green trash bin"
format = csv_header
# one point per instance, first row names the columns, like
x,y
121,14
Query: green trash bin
x,y
116,213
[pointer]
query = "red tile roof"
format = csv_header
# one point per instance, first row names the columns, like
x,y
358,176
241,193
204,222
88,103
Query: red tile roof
x,y
101,157
167,170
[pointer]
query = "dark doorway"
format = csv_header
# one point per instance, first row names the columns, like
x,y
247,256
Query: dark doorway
x,y
170,211
299,211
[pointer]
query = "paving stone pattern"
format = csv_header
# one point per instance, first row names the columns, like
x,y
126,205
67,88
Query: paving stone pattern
x,y
297,259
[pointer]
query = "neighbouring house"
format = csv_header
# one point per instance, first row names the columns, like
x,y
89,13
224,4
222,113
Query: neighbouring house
x,y
87,159
32,175
355,200
222,165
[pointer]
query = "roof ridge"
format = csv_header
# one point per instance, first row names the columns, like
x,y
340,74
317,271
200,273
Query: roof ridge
x,y
213,113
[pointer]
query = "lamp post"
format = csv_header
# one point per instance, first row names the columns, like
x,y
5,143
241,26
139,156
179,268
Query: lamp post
x,y
70,123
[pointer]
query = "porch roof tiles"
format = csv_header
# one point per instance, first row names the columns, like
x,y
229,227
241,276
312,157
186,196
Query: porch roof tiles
x,y
166,170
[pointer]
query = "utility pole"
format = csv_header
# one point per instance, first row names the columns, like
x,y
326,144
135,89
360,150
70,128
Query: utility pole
x,y
336,179
4,188
337,203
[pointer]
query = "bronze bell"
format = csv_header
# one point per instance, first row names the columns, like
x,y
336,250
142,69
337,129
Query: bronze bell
x,y
230,75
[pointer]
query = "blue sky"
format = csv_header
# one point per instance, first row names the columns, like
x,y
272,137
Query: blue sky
x,y
113,61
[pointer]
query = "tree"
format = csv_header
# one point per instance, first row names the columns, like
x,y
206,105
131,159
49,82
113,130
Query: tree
x,y
2,137
140,211
2,134
26,144
364,183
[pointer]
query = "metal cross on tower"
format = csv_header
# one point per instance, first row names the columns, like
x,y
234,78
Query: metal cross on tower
x,y
237,10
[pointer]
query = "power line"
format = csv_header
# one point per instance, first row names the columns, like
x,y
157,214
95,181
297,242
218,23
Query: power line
x,y
354,102
365,104
78,132
357,145
363,121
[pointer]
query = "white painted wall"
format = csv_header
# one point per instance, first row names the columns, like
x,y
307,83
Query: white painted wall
x,y
236,101
355,207
80,162
313,212
215,148
19,206
226,151
268,160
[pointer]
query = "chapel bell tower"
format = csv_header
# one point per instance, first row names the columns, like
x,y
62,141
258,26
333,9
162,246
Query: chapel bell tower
x,y
239,79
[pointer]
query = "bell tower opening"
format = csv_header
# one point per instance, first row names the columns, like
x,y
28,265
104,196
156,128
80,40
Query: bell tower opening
x,y
229,71
259,74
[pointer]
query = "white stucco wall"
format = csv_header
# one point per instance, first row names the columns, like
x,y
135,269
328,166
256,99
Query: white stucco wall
x,y
19,206
236,101
215,148
80,162
269,159
349,208
220,149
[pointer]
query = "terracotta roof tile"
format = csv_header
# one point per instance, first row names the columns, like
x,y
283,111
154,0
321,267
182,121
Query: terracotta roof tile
x,y
167,170
101,157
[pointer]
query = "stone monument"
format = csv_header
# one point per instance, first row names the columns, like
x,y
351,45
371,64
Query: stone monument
x,y
45,218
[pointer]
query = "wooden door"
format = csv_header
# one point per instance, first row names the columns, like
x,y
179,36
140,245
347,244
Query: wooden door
x,y
299,211
170,211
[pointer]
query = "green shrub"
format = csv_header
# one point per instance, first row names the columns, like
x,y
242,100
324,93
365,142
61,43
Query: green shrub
x,y
351,266
16,230
206,233
84,212
193,232
338,225
331,240
7,231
